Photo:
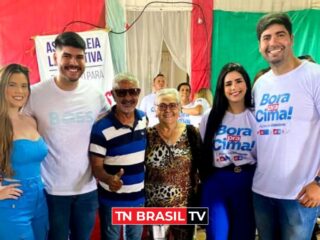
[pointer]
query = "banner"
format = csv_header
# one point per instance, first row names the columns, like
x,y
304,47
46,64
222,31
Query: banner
x,y
99,68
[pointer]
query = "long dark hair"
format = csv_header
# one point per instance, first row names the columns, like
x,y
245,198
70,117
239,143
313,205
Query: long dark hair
x,y
220,106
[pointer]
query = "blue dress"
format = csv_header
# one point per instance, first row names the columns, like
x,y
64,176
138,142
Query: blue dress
x,y
27,217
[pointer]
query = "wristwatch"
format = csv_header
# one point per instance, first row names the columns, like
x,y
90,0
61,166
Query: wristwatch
x,y
317,180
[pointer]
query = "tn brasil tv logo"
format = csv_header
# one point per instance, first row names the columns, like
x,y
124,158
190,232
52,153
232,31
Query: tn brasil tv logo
x,y
159,216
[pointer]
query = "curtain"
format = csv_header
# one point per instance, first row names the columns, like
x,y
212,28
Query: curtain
x,y
115,21
145,39
176,31
201,34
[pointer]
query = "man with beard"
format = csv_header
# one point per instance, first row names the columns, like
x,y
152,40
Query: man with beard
x,y
65,109
286,183
117,149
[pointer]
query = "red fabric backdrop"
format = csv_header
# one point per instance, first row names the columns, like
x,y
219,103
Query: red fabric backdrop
x,y
21,20
201,34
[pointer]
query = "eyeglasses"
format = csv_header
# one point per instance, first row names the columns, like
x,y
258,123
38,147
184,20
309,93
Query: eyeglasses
x,y
133,92
170,106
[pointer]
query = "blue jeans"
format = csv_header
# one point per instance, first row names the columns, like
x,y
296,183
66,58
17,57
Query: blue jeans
x,y
283,219
112,232
228,196
72,217
27,217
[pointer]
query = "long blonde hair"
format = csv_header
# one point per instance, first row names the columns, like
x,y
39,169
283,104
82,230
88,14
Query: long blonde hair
x,y
6,136
206,94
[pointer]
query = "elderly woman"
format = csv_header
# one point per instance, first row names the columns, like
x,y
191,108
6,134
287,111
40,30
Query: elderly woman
x,y
171,163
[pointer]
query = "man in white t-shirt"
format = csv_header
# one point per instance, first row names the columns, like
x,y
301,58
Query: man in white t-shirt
x,y
65,109
286,183
147,102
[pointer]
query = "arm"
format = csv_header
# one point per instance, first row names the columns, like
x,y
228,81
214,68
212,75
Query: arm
x,y
309,196
114,181
197,110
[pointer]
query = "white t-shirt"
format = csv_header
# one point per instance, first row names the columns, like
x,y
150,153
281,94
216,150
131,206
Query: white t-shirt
x,y
65,119
148,106
287,111
235,140
194,119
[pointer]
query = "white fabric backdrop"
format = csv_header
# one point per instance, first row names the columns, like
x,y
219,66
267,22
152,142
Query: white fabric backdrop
x,y
145,39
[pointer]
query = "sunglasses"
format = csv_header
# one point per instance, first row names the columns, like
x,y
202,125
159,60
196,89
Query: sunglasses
x,y
170,106
133,92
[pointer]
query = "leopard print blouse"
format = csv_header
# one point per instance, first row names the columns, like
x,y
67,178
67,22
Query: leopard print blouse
x,y
168,180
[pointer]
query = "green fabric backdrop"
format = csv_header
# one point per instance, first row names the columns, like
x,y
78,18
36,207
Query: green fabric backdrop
x,y
234,39
115,20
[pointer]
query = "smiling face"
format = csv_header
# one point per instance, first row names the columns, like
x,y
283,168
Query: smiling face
x,y
235,87
17,90
167,109
275,44
70,62
126,96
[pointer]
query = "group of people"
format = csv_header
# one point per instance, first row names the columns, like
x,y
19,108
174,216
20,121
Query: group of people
x,y
256,152
62,111
263,163
190,112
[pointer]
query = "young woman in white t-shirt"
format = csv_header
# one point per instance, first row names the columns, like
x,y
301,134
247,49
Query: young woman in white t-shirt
x,y
228,131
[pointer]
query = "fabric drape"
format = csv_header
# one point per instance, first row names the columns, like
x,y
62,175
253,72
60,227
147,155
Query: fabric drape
x,y
145,39
116,22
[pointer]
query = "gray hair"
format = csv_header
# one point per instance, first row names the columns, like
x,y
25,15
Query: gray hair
x,y
124,77
168,91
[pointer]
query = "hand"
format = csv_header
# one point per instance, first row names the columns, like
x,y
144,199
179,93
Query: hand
x,y
309,196
115,182
10,191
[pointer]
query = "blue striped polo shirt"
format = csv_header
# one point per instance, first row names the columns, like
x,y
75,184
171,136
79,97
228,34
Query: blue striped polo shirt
x,y
124,147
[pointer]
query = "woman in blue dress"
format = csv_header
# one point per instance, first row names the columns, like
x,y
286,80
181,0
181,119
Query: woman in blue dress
x,y
23,209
